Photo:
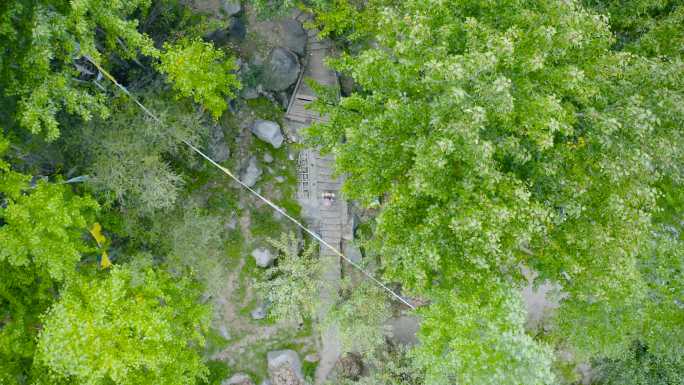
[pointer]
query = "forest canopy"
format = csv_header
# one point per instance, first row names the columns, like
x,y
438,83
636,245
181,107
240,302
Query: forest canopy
x,y
487,148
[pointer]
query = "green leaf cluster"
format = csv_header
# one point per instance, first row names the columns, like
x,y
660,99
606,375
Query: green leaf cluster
x,y
196,69
507,134
135,326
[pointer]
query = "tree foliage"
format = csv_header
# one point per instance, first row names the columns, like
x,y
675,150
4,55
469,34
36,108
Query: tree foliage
x,y
44,44
480,342
360,315
292,285
128,154
507,133
41,233
649,27
641,367
41,42
138,325
196,69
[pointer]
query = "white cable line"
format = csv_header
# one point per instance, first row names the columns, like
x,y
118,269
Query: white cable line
x,y
264,199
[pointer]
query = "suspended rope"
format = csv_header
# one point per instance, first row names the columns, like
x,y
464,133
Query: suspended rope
x,y
251,190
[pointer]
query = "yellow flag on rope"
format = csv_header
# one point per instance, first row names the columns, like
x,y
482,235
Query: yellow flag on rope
x,y
96,232
105,263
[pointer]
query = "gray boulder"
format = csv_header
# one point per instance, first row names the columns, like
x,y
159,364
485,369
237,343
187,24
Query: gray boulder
x,y
263,257
285,368
282,32
238,379
223,330
231,7
252,173
268,131
259,312
281,69
249,93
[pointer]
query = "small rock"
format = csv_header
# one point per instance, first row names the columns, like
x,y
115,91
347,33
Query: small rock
x,y
218,148
238,379
268,158
252,173
285,368
281,69
232,223
268,131
352,252
349,366
223,330
312,357
263,257
280,179
259,312
231,7
249,93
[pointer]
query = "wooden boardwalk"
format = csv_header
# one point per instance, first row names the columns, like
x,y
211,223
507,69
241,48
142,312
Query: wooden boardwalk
x,y
316,177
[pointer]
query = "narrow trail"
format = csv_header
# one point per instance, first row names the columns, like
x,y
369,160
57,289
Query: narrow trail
x,y
316,178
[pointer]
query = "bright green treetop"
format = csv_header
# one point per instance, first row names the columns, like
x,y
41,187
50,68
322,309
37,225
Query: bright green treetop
x,y
136,326
196,69
41,233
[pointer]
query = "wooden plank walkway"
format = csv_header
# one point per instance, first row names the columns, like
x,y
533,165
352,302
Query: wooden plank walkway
x,y
316,177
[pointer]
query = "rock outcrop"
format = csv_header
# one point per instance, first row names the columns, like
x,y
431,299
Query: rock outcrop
x,y
263,257
281,69
268,131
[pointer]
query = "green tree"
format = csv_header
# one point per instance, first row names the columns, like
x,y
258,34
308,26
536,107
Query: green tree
x,y
196,69
480,342
128,155
292,285
42,41
510,133
360,315
191,239
41,233
137,325
649,27
640,367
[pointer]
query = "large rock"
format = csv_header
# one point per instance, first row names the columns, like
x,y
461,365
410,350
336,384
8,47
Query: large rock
x,y
263,257
284,32
285,368
234,32
252,173
268,131
217,8
281,69
238,379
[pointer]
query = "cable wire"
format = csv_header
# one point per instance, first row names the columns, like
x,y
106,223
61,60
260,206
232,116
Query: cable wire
x,y
255,193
